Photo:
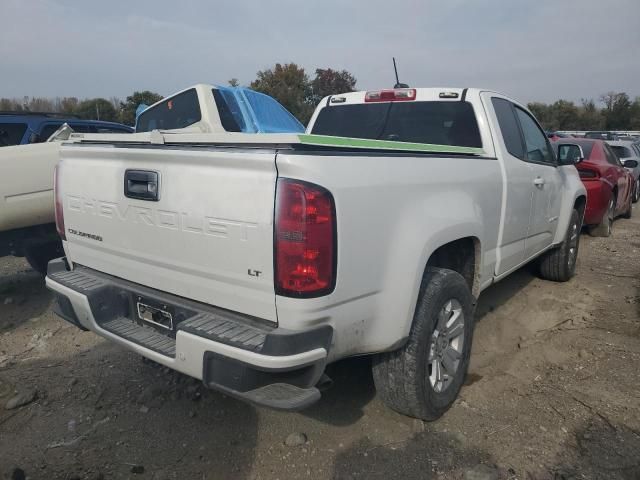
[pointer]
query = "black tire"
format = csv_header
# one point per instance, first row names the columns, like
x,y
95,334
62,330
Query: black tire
x,y
629,212
605,227
636,191
39,255
559,264
403,377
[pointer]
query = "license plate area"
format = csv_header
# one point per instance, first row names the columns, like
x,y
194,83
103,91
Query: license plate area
x,y
155,313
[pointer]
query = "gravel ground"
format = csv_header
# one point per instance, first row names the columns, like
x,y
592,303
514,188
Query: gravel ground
x,y
552,393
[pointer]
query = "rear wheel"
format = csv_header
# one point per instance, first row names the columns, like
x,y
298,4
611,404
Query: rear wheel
x,y
423,378
559,264
636,191
604,228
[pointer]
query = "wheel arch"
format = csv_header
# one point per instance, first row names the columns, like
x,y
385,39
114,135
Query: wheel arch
x,y
580,204
461,255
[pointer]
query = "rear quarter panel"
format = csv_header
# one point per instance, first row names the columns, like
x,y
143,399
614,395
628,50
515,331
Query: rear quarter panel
x,y
392,212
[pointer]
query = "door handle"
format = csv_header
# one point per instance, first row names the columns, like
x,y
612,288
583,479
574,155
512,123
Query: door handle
x,y
141,185
538,182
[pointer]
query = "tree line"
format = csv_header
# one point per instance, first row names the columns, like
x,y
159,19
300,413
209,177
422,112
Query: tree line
x,y
618,112
111,110
300,92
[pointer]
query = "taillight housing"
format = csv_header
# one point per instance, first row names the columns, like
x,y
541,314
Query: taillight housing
x,y
395,95
57,205
305,250
588,173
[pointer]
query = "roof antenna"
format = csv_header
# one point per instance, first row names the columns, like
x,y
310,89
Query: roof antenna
x,y
398,84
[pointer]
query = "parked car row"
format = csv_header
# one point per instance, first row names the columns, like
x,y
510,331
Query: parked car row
x,y
604,155
611,188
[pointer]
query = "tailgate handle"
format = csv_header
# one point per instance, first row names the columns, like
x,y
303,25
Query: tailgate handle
x,y
141,184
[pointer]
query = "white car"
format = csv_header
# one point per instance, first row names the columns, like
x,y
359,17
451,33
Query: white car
x,y
628,152
26,171
251,263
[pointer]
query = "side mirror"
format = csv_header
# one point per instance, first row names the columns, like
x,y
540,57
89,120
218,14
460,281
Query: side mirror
x,y
630,163
570,154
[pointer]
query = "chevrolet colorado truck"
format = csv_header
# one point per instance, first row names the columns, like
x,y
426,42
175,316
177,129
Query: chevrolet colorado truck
x,y
252,263
26,171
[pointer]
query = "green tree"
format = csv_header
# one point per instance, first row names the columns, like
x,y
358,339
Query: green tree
x,y
589,117
565,115
234,82
634,120
331,82
129,106
617,110
289,85
9,105
97,109
69,104
544,115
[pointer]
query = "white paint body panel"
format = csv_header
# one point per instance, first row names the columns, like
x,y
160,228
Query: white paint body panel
x,y
26,184
393,211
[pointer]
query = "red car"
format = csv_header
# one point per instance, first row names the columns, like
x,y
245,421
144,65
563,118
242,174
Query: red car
x,y
609,185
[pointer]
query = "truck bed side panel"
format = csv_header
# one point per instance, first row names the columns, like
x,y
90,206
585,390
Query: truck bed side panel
x,y
392,212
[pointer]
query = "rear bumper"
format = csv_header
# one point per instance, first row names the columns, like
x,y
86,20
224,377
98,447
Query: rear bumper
x,y
237,354
598,195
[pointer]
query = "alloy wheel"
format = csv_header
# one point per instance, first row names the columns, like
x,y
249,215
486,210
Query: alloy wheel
x,y
574,237
445,348
610,215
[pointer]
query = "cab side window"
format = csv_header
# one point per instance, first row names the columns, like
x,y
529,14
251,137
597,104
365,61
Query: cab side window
x,y
179,111
535,140
509,127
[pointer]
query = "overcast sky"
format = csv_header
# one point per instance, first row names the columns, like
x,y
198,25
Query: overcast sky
x,y
530,49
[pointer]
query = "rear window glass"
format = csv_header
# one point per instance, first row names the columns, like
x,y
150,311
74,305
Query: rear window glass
x,y
271,117
621,152
11,133
439,123
179,111
229,111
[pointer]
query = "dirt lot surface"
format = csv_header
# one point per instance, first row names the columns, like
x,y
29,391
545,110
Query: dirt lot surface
x,y
553,393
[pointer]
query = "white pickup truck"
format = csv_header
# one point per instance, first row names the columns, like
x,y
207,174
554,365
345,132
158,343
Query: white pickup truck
x,y
252,265
26,171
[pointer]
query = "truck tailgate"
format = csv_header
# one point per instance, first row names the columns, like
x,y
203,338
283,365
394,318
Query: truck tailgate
x,y
207,237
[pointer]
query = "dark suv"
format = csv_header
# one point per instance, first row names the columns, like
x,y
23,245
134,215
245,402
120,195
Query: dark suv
x,y
18,128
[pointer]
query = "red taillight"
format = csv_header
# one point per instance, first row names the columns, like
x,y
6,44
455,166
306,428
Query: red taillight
x,y
587,173
305,239
58,204
395,95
